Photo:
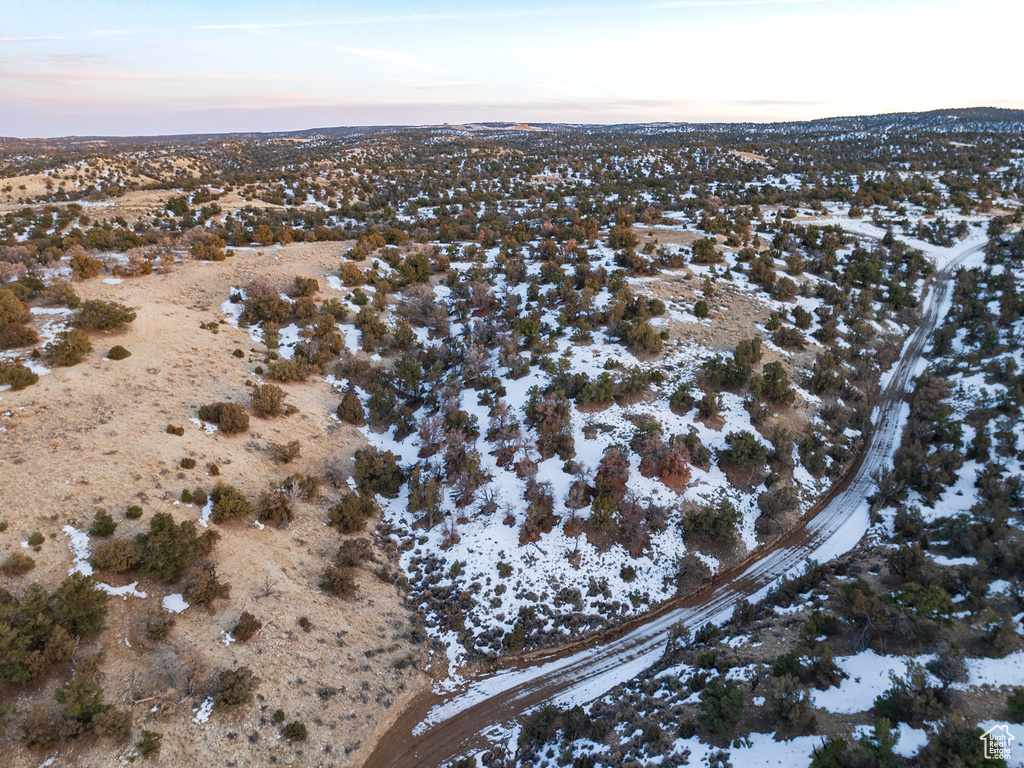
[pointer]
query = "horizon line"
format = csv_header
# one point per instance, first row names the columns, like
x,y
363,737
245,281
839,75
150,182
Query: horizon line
x,y
502,123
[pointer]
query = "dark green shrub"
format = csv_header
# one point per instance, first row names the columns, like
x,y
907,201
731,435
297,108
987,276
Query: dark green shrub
x,y
266,400
748,351
69,348
238,353
295,731
778,502
642,339
149,744
231,418
234,687
701,309
290,370
246,626
118,555
352,512
377,472
187,463
273,507
213,469
278,716
229,504
744,450
168,549
118,353
186,496
305,286
39,730
112,723
682,398
339,582
304,486
721,705
270,308
97,315
36,539
203,587
173,430
776,386
351,410
788,338
102,523
17,563
718,523
1015,704
79,606
17,376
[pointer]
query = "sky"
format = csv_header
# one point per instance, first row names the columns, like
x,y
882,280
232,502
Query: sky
x,y
96,67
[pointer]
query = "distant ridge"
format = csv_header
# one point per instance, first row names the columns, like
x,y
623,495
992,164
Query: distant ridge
x,y
958,120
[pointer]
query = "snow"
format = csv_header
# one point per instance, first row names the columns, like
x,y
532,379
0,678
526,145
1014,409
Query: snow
x,y
112,280
203,713
205,426
129,590
79,543
204,515
1008,670
758,750
174,603
868,678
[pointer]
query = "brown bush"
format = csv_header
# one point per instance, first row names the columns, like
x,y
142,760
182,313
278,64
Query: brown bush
x,y
159,625
339,582
16,564
267,400
234,687
273,507
202,587
17,376
230,417
69,348
285,453
246,627
118,555
351,275
84,266
353,552
351,513
13,336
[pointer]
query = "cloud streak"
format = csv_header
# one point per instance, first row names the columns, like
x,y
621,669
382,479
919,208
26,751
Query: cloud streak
x,y
394,58
729,3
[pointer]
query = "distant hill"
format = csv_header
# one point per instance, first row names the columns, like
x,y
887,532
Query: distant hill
x,y
965,120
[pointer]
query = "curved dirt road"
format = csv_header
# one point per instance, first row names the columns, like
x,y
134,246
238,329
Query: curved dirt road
x,y
438,727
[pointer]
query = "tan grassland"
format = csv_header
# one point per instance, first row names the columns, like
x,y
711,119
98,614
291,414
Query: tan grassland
x,y
94,435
